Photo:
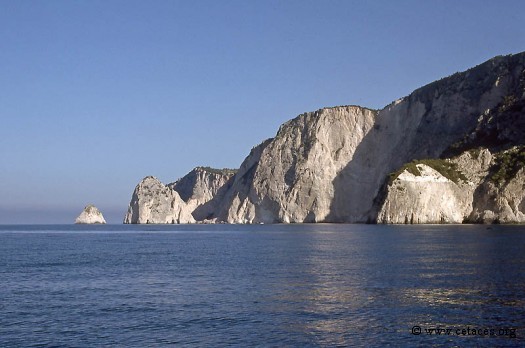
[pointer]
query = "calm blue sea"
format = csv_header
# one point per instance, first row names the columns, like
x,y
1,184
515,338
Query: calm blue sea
x,y
267,285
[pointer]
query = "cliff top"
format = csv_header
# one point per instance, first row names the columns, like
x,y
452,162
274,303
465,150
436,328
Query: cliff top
x,y
219,171
90,208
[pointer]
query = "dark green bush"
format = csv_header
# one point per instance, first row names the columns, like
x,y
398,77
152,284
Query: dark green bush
x,y
507,164
448,169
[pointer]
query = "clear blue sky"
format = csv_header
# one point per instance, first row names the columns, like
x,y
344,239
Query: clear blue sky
x,y
95,95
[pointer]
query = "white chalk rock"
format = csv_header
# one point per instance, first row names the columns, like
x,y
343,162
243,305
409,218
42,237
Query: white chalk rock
x,y
90,215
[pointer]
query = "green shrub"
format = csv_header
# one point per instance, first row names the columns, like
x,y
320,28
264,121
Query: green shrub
x,y
446,168
410,167
507,164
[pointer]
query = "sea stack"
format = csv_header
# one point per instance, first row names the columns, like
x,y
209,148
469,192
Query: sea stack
x,y
90,215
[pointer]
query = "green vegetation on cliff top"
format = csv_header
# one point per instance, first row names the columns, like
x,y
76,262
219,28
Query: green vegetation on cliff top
x,y
507,164
446,168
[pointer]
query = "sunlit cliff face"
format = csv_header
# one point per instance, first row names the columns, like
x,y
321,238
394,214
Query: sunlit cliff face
x,y
334,164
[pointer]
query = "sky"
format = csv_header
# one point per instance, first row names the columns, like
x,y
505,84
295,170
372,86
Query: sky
x,y
95,95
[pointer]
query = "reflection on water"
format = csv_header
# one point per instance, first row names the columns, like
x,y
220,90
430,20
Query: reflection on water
x,y
295,285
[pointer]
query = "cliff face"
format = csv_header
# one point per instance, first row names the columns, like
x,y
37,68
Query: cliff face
x,y
330,165
239,204
426,123
154,202
435,191
424,197
488,152
200,186
290,178
500,197
500,205
477,187
184,201
333,165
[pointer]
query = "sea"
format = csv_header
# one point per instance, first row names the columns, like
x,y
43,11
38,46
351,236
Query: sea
x,y
296,285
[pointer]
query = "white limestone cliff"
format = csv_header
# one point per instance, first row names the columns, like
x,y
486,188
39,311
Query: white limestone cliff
x,y
90,215
155,203
428,197
184,201
200,186
500,205
333,165
291,177
480,197
329,165
500,198
237,205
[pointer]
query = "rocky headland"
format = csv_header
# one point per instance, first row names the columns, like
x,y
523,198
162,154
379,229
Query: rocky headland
x,y
188,200
450,152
